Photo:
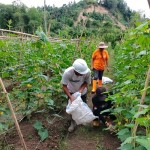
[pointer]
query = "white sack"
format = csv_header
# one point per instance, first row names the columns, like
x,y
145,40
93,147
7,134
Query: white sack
x,y
80,111
106,80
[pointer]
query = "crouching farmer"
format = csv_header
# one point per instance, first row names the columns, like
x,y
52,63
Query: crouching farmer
x,y
76,79
100,104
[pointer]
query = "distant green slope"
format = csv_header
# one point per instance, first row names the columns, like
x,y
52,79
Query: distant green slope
x,y
106,19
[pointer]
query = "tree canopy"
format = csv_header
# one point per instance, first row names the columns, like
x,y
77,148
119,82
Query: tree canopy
x,y
64,21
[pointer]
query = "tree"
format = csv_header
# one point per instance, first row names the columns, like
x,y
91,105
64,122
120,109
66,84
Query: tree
x,y
35,19
6,14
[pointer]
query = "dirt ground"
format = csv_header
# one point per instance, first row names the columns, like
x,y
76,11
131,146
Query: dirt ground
x,y
83,138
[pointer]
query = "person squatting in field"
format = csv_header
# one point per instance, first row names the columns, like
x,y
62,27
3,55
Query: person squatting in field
x,y
76,79
100,104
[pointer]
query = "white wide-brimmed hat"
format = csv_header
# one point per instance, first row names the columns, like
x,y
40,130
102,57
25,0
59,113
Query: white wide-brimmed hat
x,y
102,45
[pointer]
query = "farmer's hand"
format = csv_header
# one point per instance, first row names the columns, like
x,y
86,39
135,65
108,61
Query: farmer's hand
x,y
72,98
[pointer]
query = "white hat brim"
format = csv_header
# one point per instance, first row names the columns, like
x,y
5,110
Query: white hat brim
x,y
103,46
84,72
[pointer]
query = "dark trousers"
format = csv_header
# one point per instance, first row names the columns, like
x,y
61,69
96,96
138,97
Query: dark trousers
x,y
83,97
98,74
101,116
98,110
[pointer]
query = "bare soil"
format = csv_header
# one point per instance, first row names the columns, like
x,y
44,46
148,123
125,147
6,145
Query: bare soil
x,y
83,138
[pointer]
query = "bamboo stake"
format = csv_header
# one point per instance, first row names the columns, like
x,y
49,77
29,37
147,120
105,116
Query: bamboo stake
x,y
19,33
13,116
34,36
141,103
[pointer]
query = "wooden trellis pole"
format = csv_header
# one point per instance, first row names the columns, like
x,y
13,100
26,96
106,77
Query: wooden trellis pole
x,y
141,103
13,116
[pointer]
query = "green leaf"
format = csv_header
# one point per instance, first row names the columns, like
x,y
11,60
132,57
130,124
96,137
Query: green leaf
x,y
130,76
119,109
3,126
142,53
130,125
142,26
145,89
124,134
43,134
140,113
107,110
42,36
144,142
127,82
123,131
143,106
128,140
38,125
5,74
126,147
27,81
49,101
41,62
142,121
140,148
63,45
45,77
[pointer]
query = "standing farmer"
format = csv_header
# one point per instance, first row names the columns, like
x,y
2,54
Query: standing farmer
x,y
99,62
76,79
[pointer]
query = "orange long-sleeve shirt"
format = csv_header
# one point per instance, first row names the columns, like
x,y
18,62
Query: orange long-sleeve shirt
x,y
99,62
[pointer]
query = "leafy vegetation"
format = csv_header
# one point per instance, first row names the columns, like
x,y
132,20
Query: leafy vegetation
x,y
34,70
61,21
34,67
42,132
131,66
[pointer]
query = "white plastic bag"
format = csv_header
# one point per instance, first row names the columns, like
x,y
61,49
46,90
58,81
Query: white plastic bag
x,y
106,80
80,111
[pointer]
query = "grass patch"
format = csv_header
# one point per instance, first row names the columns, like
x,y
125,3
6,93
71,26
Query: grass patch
x,y
63,145
90,132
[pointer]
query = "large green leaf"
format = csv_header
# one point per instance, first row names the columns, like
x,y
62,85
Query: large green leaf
x,y
38,125
43,134
140,148
128,140
123,131
119,109
126,147
144,142
123,134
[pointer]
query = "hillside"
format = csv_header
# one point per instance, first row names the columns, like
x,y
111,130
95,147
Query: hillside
x,y
104,19
100,10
